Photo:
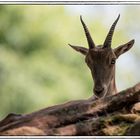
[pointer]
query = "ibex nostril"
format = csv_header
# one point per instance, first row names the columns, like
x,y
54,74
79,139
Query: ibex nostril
x,y
99,90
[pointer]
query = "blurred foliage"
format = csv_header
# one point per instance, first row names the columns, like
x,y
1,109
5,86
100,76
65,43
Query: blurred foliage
x,y
37,68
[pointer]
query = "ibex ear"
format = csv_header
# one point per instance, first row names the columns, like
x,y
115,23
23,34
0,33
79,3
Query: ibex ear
x,y
82,50
123,48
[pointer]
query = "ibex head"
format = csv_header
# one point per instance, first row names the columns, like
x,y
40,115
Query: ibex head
x,y
101,60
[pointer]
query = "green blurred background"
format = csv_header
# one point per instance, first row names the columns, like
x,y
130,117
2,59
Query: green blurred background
x,y
38,68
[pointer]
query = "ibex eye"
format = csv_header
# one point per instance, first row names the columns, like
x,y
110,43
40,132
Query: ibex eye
x,y
113,61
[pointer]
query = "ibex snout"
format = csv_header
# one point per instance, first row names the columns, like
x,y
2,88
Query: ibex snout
x,y
99,91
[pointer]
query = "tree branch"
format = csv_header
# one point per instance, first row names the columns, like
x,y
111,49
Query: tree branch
x,y
66,119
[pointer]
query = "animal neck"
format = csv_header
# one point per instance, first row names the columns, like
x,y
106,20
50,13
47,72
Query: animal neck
x,y
112,87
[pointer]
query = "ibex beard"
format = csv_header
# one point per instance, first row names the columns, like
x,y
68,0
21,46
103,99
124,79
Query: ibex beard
x,y
101,61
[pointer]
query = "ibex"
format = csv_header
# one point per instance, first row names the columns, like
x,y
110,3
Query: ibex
x,y
101,61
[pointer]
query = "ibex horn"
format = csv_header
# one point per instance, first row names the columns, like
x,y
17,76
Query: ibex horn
x,y
108,40
88,36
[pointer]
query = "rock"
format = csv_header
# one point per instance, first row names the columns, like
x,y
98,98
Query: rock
x,y
134,130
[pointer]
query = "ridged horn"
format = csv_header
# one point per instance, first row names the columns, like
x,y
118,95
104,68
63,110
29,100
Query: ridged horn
x,y
88,36
108,40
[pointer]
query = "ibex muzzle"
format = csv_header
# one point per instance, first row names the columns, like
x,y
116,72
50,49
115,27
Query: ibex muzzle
x,y
101,61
